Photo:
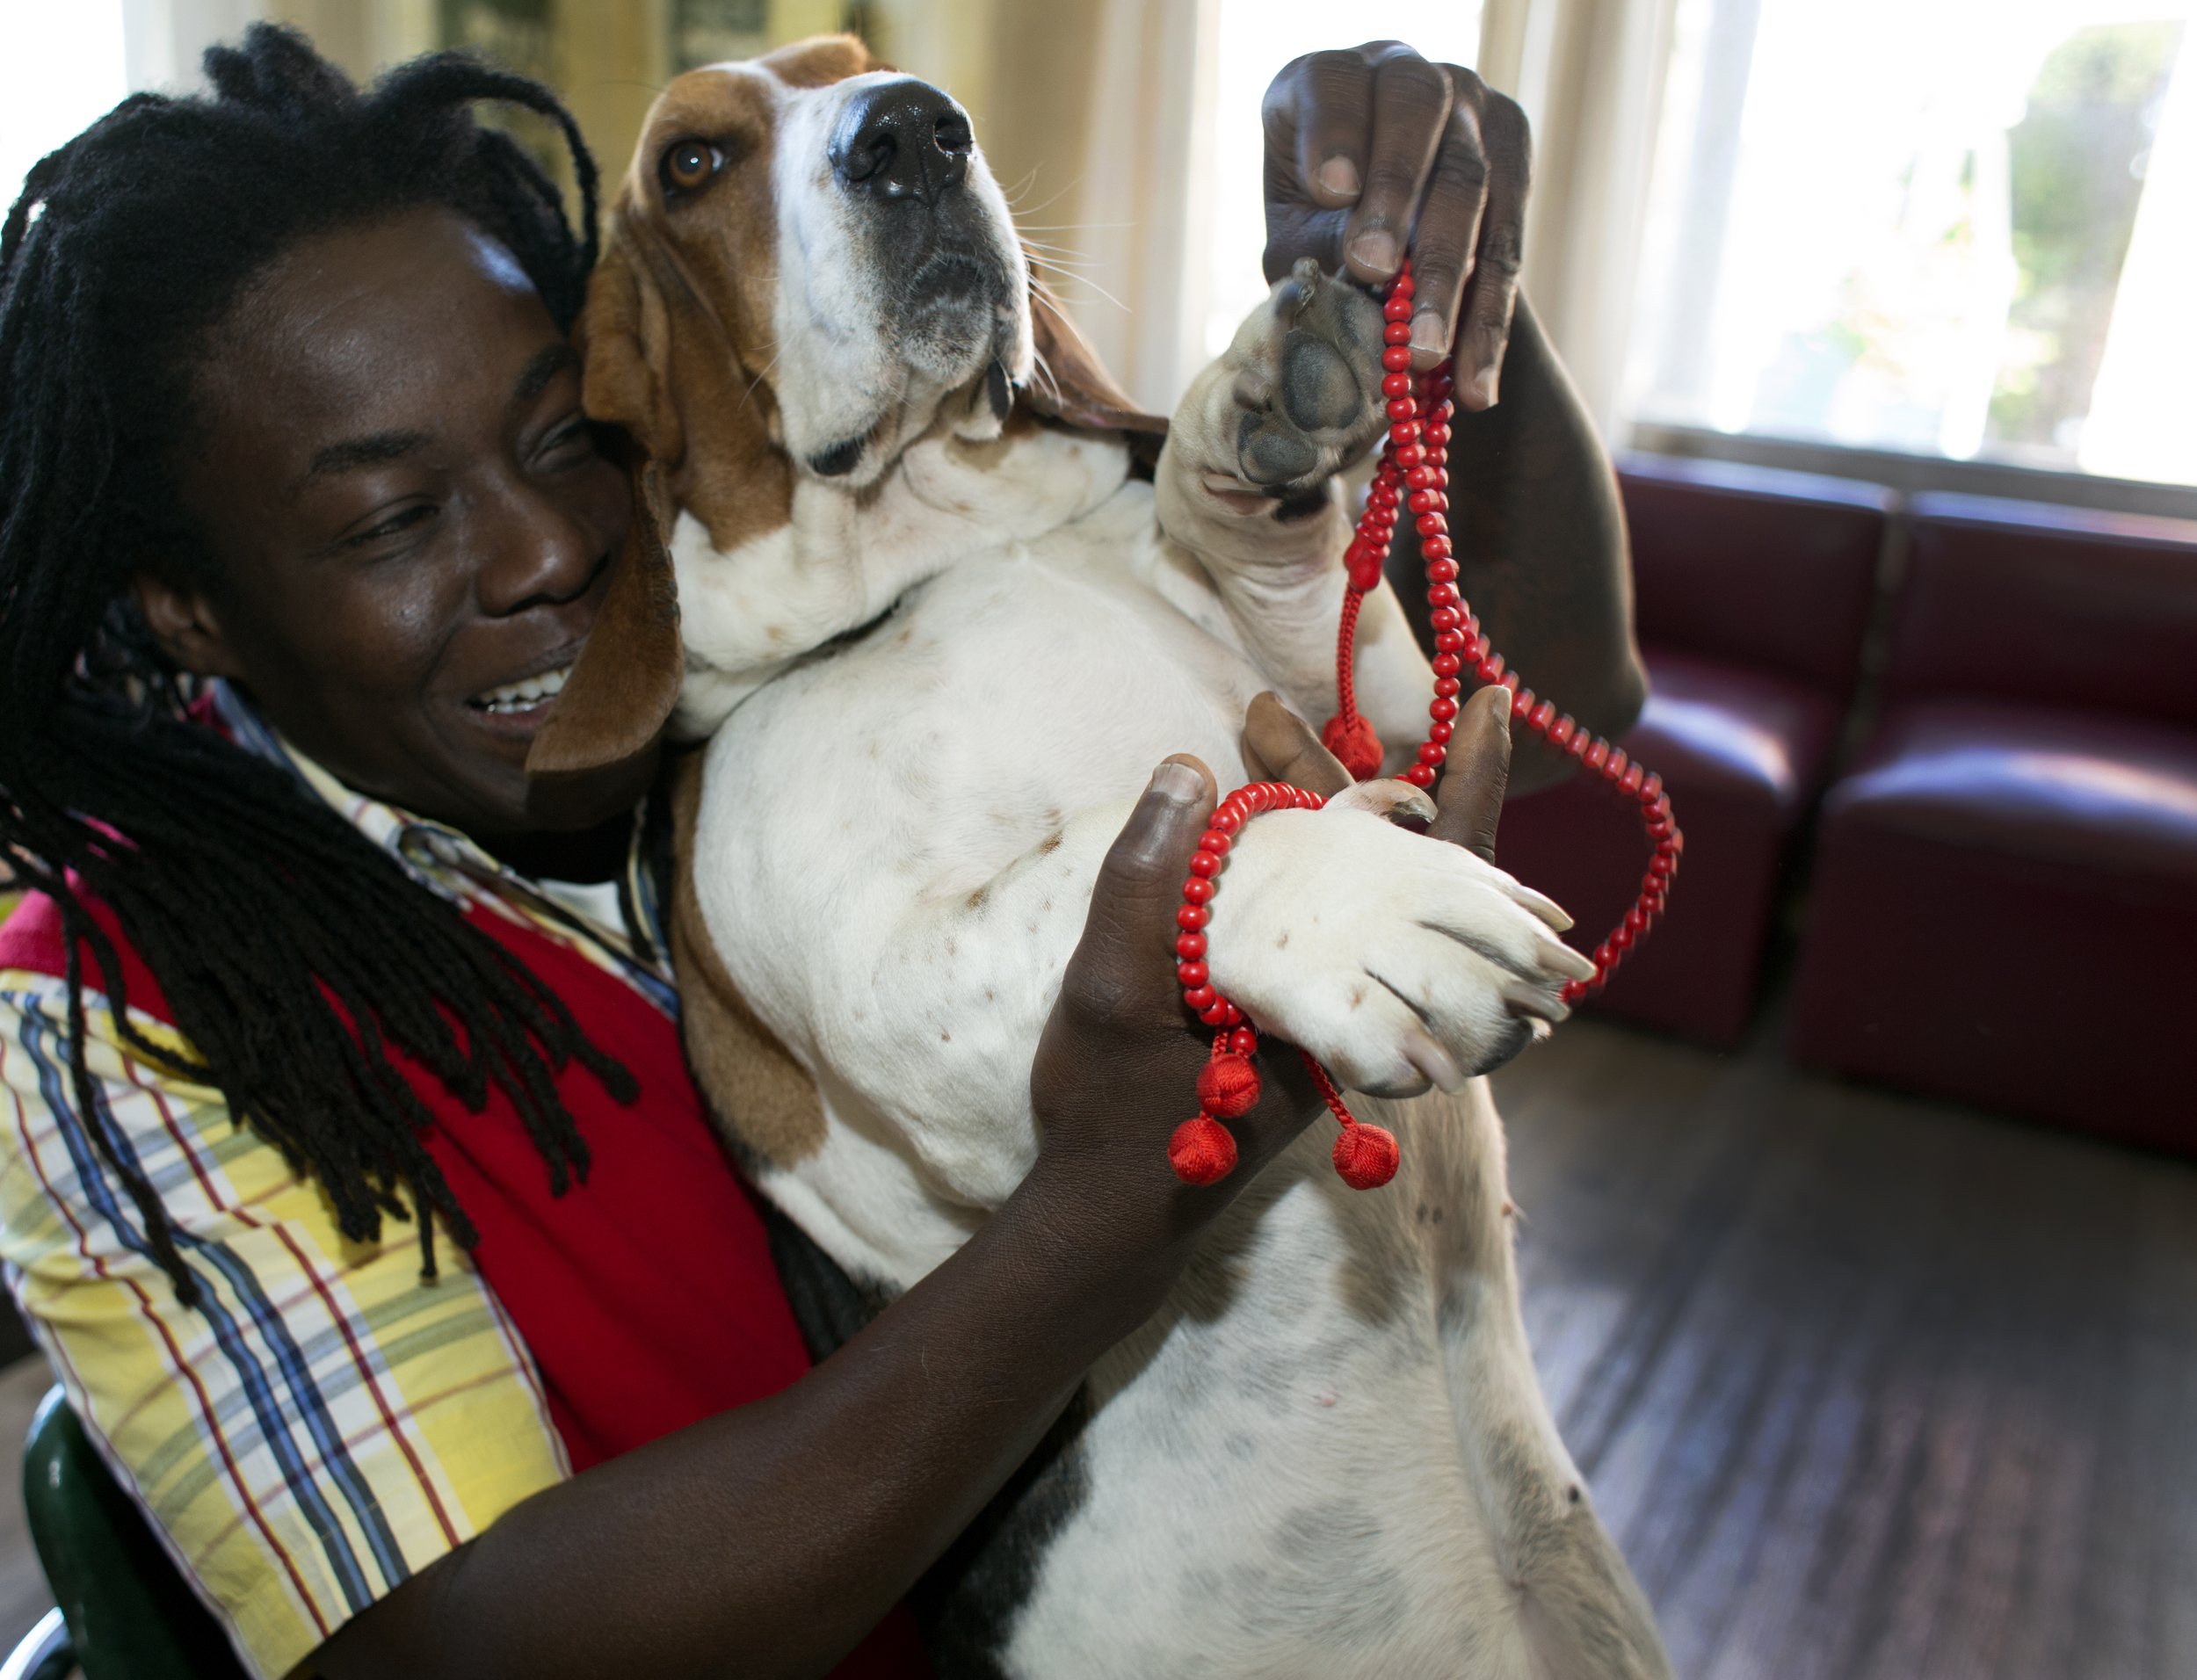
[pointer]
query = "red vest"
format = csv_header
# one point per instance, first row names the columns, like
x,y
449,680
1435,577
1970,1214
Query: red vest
x,y
646,1294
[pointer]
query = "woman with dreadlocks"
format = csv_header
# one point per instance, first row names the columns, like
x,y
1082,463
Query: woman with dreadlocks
x,y
303,518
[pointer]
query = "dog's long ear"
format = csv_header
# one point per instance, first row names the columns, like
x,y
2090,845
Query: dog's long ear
x,y
624,335
1071,383
627,679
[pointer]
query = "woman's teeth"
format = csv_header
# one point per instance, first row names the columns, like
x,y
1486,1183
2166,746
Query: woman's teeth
x,y
520,697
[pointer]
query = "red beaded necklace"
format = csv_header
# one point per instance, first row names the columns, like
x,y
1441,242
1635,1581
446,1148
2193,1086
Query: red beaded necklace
x,y
1413,475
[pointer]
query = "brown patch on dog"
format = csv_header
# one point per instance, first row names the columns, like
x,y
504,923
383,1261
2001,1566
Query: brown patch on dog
x,y
755,1089
822,60
627,679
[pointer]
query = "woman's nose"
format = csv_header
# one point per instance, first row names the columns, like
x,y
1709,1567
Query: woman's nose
x,y
539,552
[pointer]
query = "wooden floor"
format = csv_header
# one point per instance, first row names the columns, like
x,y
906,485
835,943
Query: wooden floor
x,y
1864,1386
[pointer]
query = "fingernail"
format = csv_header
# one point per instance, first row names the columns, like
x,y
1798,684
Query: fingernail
x,y
1483,386
1178,782
1375,251
1339,176
1430,334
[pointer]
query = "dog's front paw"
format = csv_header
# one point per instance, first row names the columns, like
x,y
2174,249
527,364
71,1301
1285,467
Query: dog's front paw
x,y
1306,389
1398,960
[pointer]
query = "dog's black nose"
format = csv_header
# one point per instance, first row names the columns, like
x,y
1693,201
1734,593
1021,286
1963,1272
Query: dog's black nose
x,y
902,140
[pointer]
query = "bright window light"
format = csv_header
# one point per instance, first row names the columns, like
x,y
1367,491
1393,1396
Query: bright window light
x,y
1960,227
1258,37
61,67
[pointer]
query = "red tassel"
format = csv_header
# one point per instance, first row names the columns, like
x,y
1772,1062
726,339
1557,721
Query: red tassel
x,y
1365,1155
1353,740
1202,1152
1228,1086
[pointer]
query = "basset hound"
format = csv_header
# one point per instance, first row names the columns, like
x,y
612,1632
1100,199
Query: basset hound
x,y
918,545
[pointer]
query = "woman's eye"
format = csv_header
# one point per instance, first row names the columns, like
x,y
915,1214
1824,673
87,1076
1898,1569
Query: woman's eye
x,y
689,164
394,525
572,440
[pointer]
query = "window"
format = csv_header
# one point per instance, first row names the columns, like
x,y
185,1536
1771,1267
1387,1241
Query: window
x,y
61,68
1959,228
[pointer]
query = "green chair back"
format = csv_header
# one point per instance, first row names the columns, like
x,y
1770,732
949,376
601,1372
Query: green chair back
x,y
130,1616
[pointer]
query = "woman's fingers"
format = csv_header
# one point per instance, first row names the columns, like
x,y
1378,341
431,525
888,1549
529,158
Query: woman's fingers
x,y
1119,973
1474,778
1475,774
1444,252
1409,116
1284,746
1320,101
1315,120
1498,243
1375,150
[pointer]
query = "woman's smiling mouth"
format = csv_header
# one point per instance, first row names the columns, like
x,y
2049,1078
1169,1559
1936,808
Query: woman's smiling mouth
x,y
522,696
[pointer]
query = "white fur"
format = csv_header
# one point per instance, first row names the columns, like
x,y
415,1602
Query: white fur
x,y
1328,1455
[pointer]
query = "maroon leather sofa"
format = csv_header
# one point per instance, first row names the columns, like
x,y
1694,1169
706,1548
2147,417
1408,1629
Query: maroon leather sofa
x,y
1753,592
2004,902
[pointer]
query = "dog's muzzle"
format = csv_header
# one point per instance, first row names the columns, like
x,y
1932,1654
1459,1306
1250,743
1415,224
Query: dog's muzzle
x,y
942,276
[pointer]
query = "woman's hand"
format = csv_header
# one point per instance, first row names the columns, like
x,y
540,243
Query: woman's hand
x,y
1117,1038
1117,1069
1375,151
1468,798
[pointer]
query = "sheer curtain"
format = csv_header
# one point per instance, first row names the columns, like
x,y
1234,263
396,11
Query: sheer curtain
x,y
1590,75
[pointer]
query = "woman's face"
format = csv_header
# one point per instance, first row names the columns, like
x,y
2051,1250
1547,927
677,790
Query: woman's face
x,y
410,521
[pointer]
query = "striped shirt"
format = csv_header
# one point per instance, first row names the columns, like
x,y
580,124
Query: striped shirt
x,y
328,1423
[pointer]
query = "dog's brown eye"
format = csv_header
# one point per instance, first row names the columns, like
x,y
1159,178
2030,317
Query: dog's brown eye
x,y
689,163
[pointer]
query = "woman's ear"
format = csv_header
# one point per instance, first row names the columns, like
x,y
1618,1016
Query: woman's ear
x,y
186,626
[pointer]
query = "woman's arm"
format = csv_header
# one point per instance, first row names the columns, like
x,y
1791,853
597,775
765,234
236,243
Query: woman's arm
x,y
1540,540
772,1538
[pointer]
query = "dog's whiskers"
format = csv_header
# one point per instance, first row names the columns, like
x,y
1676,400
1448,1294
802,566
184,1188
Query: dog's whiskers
x,y
1029,182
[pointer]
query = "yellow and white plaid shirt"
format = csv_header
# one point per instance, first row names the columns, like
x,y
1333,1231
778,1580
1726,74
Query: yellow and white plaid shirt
x,y
328,1423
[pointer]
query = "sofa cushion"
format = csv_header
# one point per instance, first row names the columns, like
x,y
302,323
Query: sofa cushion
x,y
1766,570
1979,974
1739,731
2001,894
2009,599
2086,790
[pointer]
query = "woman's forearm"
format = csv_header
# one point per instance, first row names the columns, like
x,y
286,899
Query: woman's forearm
x,y
770,1538
1540,538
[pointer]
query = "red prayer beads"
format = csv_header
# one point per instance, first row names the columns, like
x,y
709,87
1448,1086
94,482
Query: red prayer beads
x,y
1414,476
1203,1151
1413,479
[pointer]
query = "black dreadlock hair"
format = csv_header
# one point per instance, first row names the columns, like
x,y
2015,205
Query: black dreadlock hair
x,y
295,952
